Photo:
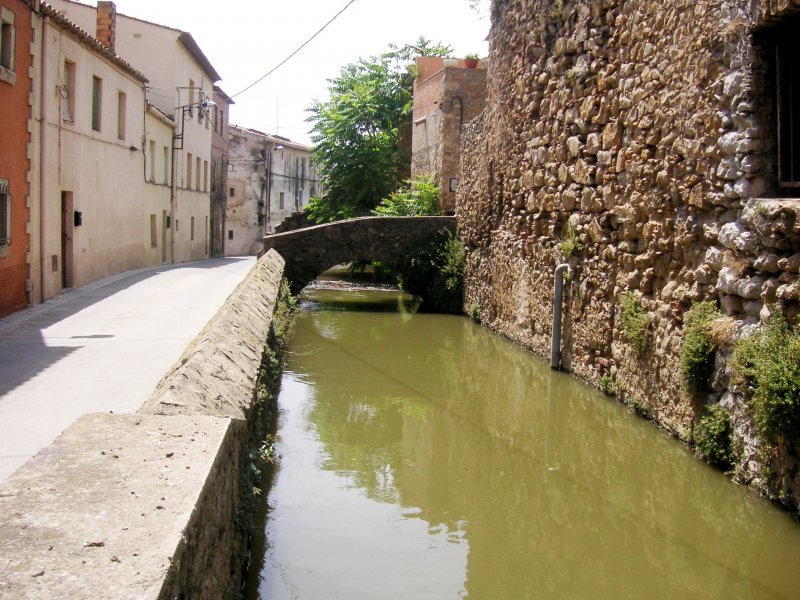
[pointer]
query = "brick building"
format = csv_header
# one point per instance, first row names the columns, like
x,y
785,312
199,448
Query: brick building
x,y
16,86
446,97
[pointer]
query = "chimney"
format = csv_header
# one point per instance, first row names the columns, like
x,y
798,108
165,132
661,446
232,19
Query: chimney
x,y
106,23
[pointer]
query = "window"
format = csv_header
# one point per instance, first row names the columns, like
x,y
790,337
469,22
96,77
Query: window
x,y
787,70
68,93
166,165
97,100
221,121
152,160
7,44
188,170
230,234
191,230
197,176
205,175
216,118
282,199
191,97
121,101
5,213
231,192
153,232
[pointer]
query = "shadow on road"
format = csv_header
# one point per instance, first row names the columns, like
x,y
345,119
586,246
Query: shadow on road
x,y
22,332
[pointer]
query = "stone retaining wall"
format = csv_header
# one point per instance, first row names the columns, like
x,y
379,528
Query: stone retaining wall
x,y
637,141
146,505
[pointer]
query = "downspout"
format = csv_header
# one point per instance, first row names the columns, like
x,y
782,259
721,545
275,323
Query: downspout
x,y
558,296
43,157
173,199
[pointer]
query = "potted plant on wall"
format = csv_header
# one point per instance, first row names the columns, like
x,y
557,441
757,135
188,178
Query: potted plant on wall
x,y
471,61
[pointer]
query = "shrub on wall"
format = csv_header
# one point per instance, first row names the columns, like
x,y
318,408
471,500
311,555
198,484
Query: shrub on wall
x,y
697,350
417,197
713,436
635,321
767,365
435,272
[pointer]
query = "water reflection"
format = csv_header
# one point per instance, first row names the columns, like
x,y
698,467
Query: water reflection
x,y
425,457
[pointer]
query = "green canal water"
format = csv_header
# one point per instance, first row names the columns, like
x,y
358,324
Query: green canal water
x,y
423,457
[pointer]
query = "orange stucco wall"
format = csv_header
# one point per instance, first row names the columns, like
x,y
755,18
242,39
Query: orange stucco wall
x,y
14,162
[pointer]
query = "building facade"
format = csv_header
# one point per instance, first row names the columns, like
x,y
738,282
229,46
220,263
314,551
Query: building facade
x,y
446,97
269,178
16,89
159,133
181,81
220,157
88,168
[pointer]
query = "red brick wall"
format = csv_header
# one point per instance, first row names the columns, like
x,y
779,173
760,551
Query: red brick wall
x,y
14,162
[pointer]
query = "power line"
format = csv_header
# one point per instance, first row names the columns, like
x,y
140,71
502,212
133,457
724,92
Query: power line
x,y
285,60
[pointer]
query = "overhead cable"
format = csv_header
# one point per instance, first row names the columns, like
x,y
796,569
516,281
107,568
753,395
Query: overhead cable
x,y
285,60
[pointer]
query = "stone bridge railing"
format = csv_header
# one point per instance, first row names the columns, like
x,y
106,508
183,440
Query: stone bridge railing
x,y
313,250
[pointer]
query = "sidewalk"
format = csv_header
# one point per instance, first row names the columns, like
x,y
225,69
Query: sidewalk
x,y
102,347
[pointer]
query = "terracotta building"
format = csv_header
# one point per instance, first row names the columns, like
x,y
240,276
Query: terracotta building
x,y
16,85
447,95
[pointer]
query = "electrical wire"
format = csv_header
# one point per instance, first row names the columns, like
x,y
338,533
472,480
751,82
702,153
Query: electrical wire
x,y
303,45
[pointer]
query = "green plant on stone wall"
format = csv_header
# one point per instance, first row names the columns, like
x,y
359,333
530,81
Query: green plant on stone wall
x,y
767,366
607,385
712,436
417,197
635,321
570,245
697,350
434,271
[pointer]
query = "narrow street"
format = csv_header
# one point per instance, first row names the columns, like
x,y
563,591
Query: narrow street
x,y
100,348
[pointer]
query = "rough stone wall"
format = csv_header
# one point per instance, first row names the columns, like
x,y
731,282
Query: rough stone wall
x,y
641,134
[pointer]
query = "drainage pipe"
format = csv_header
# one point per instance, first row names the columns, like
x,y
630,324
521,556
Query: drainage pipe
x,y
558,295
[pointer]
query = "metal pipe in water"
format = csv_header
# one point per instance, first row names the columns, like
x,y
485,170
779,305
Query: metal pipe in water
x,y
558,296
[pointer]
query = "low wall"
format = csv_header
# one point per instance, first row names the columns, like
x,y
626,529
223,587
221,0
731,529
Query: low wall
x,y
145,505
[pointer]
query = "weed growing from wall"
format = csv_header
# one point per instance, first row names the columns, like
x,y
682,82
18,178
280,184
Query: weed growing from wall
x,y
635,321
434,271
767,366
607,385
570,245
697,350
713,437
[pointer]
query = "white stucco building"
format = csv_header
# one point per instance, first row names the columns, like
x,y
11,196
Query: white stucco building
x,y
269,178
87,168
181,81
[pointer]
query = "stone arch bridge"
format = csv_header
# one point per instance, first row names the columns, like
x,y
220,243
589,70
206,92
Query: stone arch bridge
x,y
310,251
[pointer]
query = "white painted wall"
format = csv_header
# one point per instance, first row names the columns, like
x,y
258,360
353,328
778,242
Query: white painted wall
x,y
102,171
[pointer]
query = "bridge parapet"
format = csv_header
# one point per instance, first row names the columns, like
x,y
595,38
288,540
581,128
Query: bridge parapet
x,y
313,250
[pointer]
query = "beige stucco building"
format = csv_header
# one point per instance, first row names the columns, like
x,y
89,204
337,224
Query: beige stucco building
x,y
269,178
181,81
159,131
87,169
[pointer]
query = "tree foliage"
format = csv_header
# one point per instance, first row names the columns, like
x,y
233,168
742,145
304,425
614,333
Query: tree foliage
x,y
417,197
355,133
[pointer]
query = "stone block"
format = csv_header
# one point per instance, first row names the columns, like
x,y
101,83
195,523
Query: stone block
x,y
124,507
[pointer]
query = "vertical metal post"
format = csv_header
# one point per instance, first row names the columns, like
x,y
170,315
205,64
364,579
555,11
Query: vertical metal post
x,y
558,296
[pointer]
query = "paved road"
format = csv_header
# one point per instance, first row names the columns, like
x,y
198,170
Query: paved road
x,y
103,347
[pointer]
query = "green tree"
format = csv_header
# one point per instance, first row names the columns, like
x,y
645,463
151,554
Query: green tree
x,y
355,133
